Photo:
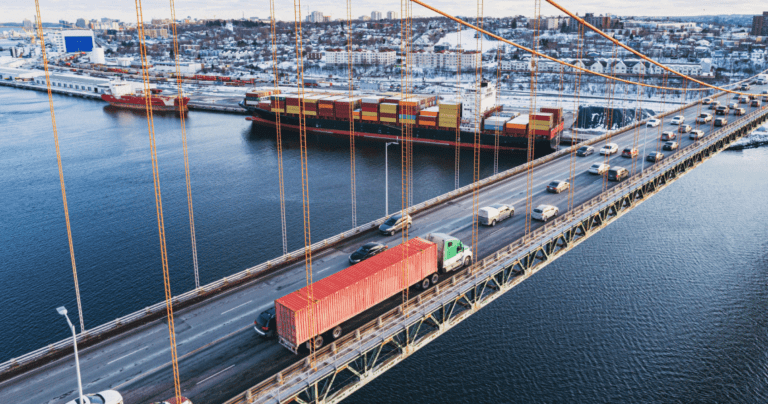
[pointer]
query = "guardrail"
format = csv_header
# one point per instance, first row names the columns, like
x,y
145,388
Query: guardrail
x,y
214,288
316,380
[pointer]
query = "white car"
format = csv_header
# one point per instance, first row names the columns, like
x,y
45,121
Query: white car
x,y
652,123
678,120
489,215
609,149
102,397
696,134
704,118
544,212
599,168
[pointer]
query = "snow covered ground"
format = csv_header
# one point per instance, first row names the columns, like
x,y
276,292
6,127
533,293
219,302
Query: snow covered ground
x,y
756,139
468,40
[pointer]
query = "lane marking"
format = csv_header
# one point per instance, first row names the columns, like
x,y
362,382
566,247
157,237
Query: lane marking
x,y
214,375
237,307
127,355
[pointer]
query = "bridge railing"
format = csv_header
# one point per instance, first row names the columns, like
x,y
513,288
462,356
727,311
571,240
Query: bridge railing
x,y
300,374
259,270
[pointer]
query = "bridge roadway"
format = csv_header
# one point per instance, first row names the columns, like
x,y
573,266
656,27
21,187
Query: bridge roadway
x,y
220,355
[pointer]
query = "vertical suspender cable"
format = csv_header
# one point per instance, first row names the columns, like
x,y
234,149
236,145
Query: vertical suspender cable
x,y
305,180
158,199
405,111
478,118
351,115
531,137
278,126
575,128
58,160
182,112
458,100
611,84
498,90
638,118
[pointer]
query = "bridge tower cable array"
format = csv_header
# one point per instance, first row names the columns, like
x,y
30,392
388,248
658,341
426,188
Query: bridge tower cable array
x,y
638,118
531,135
182,118
39,27
608,112
158,199
315,338
351,71
278,127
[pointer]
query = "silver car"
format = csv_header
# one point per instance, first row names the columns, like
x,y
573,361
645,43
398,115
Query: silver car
x,y
492,214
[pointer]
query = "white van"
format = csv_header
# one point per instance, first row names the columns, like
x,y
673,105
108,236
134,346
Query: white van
x,y
490,215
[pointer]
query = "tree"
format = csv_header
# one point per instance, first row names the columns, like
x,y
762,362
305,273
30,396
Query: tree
x,y
171,55
514,24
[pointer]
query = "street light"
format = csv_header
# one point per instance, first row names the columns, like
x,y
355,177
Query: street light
x,y
63,311
386,178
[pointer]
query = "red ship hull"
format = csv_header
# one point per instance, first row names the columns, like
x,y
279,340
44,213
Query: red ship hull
x,y
158,103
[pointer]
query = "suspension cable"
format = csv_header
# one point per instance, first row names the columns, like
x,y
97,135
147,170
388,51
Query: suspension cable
x,y
305,180
278,128
158,198
351,117
498,90
39,24
609,114
543,56
182,119
638,118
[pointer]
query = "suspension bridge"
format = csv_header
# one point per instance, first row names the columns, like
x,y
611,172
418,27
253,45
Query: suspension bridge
x,y
207,342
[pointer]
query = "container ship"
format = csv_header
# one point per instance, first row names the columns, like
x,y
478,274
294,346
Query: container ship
x,y
433,121
124,95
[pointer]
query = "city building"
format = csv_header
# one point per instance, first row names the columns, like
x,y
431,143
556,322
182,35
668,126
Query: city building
x,y
66,41
156,33
391,15
760,24
82,83
375,15
361,57
27,24
80,23
446,60
315,16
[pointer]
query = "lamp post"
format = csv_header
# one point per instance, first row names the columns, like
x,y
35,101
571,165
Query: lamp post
x,y
386,178
63,311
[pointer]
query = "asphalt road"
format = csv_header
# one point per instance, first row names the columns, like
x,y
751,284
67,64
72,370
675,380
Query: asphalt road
x,y
220,354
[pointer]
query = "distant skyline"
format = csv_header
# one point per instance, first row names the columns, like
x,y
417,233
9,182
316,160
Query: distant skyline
x,y
53,11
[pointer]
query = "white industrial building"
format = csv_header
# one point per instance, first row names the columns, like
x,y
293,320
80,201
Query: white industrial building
x,y
361,57
71,81
75,40
11,74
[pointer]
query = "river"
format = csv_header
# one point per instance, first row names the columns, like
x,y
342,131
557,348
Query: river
x,y
666,305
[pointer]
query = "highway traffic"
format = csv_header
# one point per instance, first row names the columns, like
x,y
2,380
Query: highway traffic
x,y
221,355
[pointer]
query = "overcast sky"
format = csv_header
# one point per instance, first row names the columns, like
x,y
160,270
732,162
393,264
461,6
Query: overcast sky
x,y
54,10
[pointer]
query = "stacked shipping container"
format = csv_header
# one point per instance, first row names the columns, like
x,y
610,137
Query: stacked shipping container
x,y
428,116
370,108
345,106
449,114
351,291
388,112
517,126
495,123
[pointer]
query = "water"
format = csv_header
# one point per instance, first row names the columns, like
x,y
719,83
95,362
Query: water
x,y
108,174
665,305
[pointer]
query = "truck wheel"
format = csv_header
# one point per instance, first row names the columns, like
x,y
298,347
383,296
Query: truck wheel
x,y
318,342
336,333
425,284
467,261
434,278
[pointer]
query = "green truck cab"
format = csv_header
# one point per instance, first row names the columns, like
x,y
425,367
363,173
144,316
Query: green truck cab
x,y
451,252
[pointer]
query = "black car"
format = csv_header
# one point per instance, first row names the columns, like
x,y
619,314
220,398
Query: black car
x,y
585,151
618,173
266,324
654,157
366,251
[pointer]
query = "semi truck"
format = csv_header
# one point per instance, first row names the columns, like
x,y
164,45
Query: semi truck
x,y
348,293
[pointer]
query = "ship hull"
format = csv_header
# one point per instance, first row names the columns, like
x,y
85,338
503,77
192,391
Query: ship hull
x,y
138,102
382,132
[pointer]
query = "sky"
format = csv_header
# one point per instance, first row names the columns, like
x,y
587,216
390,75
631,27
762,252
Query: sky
x,y
55,10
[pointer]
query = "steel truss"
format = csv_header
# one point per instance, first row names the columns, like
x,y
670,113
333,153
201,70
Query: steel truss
x,y
356,359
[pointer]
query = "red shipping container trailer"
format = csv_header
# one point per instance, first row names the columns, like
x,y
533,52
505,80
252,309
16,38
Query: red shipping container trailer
x,y
349,292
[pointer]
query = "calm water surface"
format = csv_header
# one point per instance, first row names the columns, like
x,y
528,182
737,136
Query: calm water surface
x,y
666,305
